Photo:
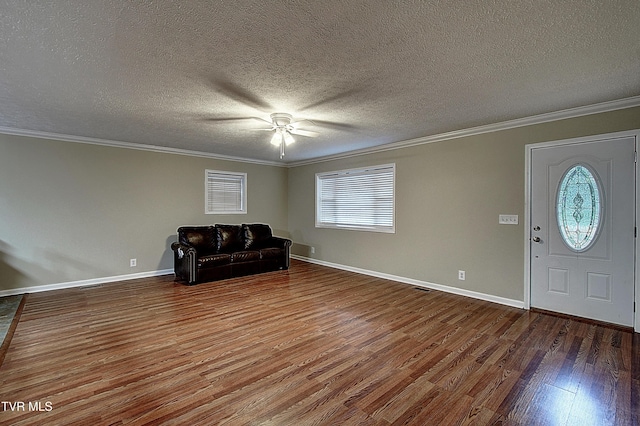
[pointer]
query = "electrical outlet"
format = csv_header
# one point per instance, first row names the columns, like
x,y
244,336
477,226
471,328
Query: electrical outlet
x,y
508,219
312,250
133,262
461,275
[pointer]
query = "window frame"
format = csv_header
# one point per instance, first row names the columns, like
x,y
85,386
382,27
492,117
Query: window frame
x,y
362,171
237,176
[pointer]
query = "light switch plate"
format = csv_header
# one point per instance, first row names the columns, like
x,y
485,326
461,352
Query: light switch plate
x,y
508,219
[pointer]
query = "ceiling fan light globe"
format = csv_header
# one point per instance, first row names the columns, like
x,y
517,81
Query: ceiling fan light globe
x,y
288,139
276,140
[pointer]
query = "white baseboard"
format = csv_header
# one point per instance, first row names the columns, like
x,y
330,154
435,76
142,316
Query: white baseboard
x,y
405,280
417,283
84,283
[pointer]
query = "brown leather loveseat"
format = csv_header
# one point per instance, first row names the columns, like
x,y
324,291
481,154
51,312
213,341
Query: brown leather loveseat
x,y
217,252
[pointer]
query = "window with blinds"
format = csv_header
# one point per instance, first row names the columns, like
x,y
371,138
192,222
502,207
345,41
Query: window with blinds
x,y
225,192
361,199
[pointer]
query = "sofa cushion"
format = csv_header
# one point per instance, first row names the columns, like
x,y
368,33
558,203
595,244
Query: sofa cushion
x,y
229,238
256,235
245,256
213,260
202,238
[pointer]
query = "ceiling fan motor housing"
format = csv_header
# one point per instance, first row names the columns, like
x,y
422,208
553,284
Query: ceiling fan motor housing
x,y
281,119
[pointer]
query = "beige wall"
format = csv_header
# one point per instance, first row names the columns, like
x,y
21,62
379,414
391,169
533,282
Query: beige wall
x,y
448,198
74,212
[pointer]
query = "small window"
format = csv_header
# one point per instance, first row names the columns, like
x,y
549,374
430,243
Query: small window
x,y
360,199
579,207
225,192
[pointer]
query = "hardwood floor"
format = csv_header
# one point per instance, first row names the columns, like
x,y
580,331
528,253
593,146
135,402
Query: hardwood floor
x,y
309,346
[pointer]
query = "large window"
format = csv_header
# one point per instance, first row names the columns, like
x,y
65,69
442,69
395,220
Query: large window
x,y
225,192
361,199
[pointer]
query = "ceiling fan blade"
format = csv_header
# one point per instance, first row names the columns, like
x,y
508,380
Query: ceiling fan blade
x,y
222,119
307,133
295,124
269,122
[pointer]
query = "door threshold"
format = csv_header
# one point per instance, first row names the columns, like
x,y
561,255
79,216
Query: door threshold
x,y
582,319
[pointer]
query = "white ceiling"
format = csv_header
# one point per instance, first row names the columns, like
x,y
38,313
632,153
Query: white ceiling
x,y
368,73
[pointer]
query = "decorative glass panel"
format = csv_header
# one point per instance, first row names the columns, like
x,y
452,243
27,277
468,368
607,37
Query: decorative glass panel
x,y
579,207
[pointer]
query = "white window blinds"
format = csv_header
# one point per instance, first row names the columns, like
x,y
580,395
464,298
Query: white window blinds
x,y
225,192
360,199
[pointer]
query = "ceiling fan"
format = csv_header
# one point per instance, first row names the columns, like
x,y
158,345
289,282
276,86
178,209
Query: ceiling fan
x,y
284,129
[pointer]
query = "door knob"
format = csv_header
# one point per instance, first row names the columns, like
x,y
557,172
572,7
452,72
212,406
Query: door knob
x,y
536,239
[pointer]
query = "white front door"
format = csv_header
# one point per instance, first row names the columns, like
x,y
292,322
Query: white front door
x,y
582,236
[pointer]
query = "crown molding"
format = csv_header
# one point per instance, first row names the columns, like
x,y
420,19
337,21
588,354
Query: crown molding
x,y
131,145
505,125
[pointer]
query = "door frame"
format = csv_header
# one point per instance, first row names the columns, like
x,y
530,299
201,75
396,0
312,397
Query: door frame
x,y
527,212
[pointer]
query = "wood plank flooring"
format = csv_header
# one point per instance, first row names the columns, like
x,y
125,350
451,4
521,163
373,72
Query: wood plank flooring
x,y
308,346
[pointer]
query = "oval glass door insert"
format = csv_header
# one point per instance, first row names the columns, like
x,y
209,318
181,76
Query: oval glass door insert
x,y
579,207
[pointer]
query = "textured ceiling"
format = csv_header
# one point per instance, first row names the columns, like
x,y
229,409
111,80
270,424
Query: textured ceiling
x,y
186,74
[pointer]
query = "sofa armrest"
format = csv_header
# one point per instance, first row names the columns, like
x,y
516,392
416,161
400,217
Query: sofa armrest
x,y
278,242
182,249
283,243
185,261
